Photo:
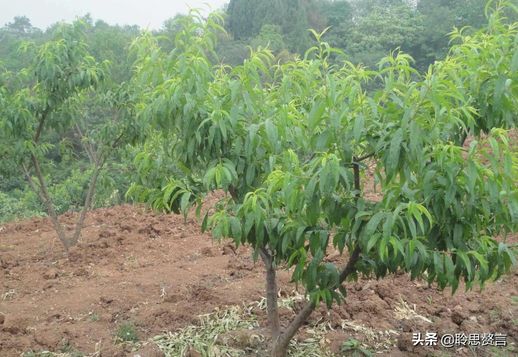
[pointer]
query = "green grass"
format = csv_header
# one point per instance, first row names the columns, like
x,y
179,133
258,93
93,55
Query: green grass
x,y
354,348
509,351
126,332
92,316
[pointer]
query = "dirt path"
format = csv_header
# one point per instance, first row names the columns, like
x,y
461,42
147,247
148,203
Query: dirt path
x,y
159,273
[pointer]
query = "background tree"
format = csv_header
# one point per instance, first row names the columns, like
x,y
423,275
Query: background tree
x,y
270,36
338,15
12,36
20,26
365,30
380,26
439,18
289,144
246,19
112,43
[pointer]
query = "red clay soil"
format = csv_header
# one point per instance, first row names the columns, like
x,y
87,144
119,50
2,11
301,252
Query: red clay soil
x,y
159,273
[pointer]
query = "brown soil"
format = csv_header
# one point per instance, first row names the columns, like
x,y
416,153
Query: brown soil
x,y
159,273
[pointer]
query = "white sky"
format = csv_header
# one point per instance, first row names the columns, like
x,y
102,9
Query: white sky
x,y
145,13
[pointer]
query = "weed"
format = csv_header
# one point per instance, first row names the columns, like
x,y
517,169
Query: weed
x,y
69,350
503,352
354,348
92,316
38,354
127,332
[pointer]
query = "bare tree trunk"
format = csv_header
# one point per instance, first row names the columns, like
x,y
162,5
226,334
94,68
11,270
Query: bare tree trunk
x,y
42,191
47,201
280,346
271,295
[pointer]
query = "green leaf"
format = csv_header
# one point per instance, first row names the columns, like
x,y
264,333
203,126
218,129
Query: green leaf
x,y
392,160
208,179
235,229
383,250
514,61
482,261
397,246
373,223
499,91
358,127
449,268
466,261
285,242
372,242
271,133
184,203
250,175
316,114
310,188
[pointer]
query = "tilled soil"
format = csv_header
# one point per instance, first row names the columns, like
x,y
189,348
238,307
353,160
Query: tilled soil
x,y
159,272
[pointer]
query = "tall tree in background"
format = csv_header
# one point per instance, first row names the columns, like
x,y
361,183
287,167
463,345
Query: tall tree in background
x,y
11,37
247,17
112,43
21,25
439,18
270,36
366,29
338,16
380,26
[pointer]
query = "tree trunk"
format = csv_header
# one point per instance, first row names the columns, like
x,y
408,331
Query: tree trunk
x,y
45,198
280,345
47,201
271,295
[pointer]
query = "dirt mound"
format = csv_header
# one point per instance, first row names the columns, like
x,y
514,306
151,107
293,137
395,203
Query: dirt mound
x,y
158,273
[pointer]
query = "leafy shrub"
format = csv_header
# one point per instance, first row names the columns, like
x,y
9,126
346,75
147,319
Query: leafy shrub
x,y
19,204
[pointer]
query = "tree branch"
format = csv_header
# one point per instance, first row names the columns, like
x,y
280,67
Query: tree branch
x,y
43,118
88,201
363,158
45,198
357,184
92,154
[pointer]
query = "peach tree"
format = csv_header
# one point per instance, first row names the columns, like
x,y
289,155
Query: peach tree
x,y
291,145
48,102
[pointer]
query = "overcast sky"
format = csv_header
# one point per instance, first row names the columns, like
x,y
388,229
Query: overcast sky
x,y
145,13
